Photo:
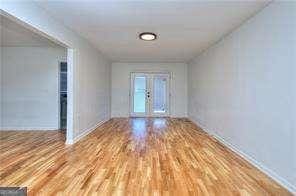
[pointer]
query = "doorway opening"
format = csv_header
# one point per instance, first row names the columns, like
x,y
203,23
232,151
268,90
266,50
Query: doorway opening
x,y
149,94
63,95
45,101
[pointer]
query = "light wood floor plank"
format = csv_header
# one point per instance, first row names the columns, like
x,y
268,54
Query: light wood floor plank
x,y
129,156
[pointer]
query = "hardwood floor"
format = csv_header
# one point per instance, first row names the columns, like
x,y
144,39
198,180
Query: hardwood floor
x,y
137,156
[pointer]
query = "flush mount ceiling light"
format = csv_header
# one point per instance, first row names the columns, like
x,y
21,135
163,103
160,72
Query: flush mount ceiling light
x,y
147,36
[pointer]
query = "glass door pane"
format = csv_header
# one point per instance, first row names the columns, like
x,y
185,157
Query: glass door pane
x,y
160,94
139,96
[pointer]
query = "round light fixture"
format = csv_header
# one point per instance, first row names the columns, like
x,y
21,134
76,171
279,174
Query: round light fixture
x,y
147,36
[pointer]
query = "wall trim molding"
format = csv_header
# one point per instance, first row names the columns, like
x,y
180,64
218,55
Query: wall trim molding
x,y
269,172
29,128
86,132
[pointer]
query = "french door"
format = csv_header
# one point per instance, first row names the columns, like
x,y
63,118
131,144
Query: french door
x,y
149,94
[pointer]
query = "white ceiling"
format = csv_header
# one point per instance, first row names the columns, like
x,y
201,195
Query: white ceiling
x,y
14,34
184,28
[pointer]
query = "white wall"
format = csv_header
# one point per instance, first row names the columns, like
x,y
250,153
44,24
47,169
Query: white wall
x,y
242,90
121,86
91,103
94,90
29,87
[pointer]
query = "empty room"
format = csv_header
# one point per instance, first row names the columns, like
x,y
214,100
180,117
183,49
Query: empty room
x,y
148,97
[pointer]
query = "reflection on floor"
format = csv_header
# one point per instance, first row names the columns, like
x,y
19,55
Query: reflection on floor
x,y
132,156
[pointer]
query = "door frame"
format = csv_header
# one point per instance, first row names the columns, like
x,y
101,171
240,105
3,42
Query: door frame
x,y
131,90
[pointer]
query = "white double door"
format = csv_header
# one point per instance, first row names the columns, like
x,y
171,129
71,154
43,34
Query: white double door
x,y
149,94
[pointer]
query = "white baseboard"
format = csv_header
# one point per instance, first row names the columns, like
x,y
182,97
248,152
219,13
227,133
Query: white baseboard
x,y
86,132
283,182
28,128
69,142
